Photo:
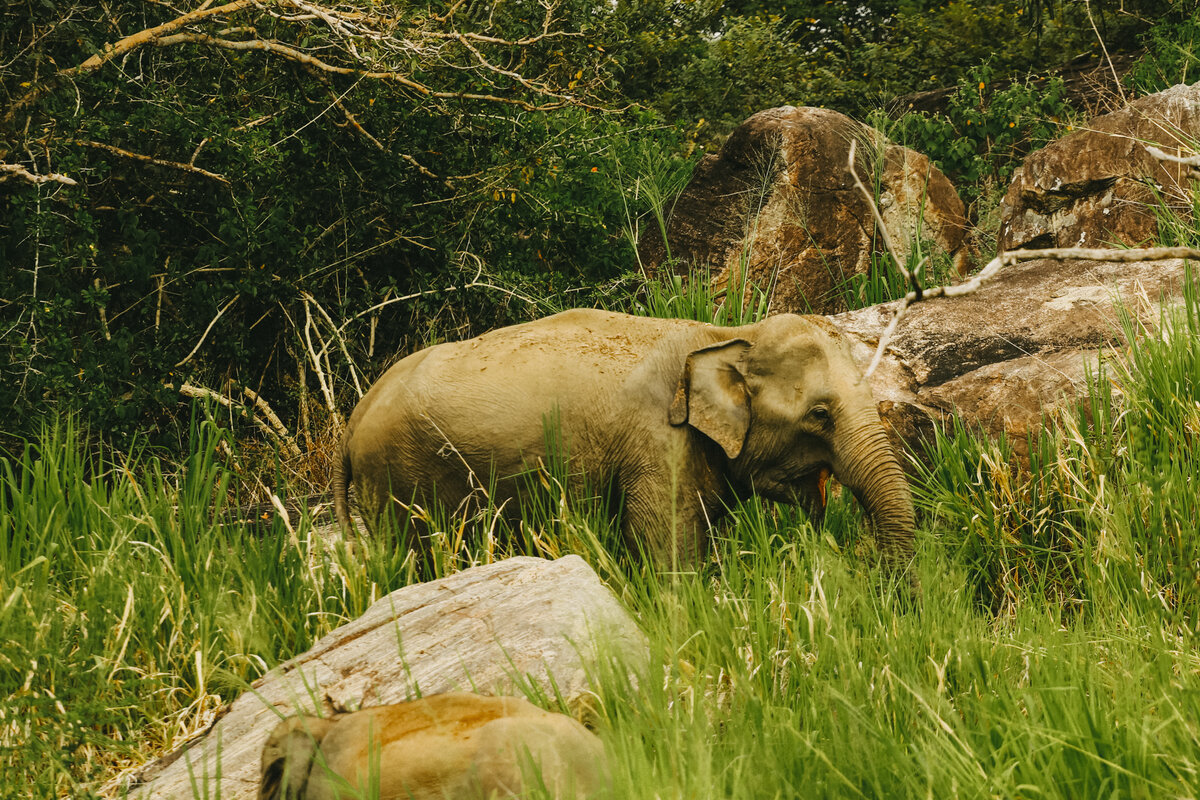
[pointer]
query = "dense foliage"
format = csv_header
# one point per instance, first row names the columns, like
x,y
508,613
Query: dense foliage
x,y
266,202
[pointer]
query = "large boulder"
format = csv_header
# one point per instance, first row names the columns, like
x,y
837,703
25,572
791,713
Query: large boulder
x,y
776,208
1003,356
1099,185
491,629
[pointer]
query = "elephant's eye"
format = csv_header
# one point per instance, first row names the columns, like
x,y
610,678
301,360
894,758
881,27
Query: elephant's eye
x,y
819,414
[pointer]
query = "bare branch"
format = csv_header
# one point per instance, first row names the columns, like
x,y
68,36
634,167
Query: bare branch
x,y
17,171
152,34
337,334
509,73
1107,57
478,37
1007,259
119,48
326,388
1016,256
200,392
272,419
353,120
293,54
1100,254
152,160
204,335
909,278
1191,162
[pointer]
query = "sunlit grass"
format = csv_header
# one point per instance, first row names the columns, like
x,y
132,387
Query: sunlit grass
x,y
1051,651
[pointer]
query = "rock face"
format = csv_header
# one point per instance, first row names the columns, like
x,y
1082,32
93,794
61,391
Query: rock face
x,y
777,208
1098,186
491,629
1019,346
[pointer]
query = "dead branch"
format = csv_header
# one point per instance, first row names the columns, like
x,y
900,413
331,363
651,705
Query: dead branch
x,y
337,334
292,54
200,392
1107,57
322,380
515,76
995,265
482,39
1014,257
17,171
204,335
1098,254
152,160
116,49
1191,162
273,420
354,123
474,284
909,277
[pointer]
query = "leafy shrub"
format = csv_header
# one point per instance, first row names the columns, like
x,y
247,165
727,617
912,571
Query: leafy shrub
x,y
986,130
1172,56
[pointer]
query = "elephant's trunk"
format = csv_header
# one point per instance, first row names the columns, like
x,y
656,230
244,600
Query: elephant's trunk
x,y
869,467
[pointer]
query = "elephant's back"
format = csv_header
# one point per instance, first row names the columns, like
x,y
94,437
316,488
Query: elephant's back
x,y
551,357
496,397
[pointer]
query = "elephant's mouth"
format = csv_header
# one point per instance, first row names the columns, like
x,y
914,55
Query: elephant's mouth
x,y
809,485
817,479
823,475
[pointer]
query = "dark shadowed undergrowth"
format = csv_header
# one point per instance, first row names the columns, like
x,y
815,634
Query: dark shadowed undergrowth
x,y
1051,651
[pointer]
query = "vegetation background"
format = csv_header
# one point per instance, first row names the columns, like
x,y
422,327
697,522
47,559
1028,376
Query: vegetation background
x,y
263,207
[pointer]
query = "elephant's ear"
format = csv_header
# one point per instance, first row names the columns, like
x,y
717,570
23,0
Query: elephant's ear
x,y
712,396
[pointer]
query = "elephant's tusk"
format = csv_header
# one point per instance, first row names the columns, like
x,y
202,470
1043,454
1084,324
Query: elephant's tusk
x,y
822,480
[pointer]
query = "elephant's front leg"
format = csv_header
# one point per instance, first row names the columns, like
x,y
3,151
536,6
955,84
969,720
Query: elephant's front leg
x,y
669,522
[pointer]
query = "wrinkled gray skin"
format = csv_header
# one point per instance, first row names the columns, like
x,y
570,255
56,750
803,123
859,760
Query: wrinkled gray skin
x,y
678,417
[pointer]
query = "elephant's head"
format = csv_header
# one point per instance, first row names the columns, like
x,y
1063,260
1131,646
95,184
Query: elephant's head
x,y
789,407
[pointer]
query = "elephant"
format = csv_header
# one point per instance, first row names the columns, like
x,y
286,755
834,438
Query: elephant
x,y
451,746
677,418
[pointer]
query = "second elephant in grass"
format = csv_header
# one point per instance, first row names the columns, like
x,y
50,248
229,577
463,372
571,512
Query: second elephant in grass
x,y
453,746
677,418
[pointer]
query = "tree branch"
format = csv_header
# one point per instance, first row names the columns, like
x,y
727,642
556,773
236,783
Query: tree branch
x,y
279,435
152,160
994,266
909,277
1191,162
292,54
17,171
207,330
117,49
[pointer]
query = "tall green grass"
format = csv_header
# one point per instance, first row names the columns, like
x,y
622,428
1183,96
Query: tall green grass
x,y
130,608
1052,651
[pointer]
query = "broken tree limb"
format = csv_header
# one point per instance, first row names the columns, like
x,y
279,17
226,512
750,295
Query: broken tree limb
x,y
1016,256
203,393
17,171
1003,259
1191,162
160,162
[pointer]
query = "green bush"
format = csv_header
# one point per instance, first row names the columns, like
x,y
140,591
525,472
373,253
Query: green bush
x,y
279,204
985,131
1172,56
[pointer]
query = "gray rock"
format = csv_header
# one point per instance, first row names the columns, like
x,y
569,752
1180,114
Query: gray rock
x,y
1097,186
489,629
1020,346
777,208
